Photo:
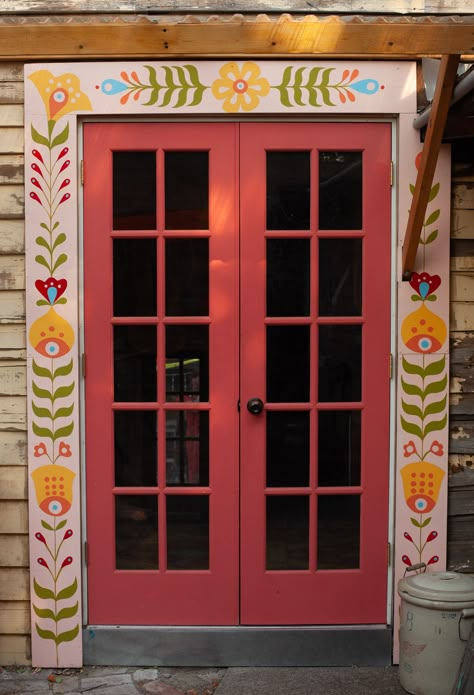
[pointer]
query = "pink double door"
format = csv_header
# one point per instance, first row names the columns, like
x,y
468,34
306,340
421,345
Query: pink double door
x,y
237,341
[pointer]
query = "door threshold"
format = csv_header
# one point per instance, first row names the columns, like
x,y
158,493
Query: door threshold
x,y
342,645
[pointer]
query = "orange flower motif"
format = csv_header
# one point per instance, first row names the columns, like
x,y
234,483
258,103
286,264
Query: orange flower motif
x,y
61,95
240,88
421,485
51,335
64,450
40,450
53,486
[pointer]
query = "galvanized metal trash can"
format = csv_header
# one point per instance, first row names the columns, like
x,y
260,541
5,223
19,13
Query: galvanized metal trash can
x,y
436,615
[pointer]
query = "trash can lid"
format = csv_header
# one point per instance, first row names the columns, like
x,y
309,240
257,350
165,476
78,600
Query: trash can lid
x,y
439,586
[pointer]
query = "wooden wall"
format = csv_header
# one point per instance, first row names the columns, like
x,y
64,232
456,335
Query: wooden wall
x,y
14,582
461,447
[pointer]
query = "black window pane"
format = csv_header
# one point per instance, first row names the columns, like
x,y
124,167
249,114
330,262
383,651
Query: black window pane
x,y
187,363
187,277
338,538
340,190
187,447
187,521
340,350
136,532
287,532
287,449
134,277
187,190
288,364
339,437
288,190
135,363
340,277
135,447
134,190
288,273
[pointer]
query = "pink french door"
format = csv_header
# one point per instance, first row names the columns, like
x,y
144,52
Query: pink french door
x,y
237,339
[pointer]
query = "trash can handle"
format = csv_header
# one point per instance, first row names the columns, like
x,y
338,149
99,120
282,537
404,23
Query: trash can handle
x,y
466,614
414,568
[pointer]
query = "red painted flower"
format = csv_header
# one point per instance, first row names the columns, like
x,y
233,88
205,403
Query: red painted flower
x,y
437,448
40,450
425,284
51,289
64,450
409,449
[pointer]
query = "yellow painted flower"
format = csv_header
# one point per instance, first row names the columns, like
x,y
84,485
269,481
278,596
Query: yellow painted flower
x,y
60,95
240,88
421,485
51,335
53,486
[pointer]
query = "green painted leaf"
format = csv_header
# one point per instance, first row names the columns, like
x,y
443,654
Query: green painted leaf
x,y
42,431
64,412
41,393
41,371
55,226
60,239
153,98
38,138
434,192
286,77
68,591
199,88
61,300
435,387
326,95
415,522
61,524
410,409
41,241
41,260
41,591
45,634
152,76
61,138
44,612
412,188
431,237
41,412
64,370
425,522
435,426
42,302
432,218
67,612
435,407
45,525
285,97
411,389
45,226
62,259
64,391
412,367
437,367
410,427
63,432
416,298
68,636
313,77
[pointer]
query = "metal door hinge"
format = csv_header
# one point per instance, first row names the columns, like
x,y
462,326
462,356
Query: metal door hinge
x,y
238,406
390,368
391,173
83,365
86,553
82,171
389,554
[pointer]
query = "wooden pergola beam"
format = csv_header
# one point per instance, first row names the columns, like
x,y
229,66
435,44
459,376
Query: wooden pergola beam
x,y
429,158
354,37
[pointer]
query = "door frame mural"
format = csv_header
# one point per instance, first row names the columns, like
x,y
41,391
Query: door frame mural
x,y
57,95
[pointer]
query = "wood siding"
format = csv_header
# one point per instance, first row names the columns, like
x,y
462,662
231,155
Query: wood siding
x,y
14,579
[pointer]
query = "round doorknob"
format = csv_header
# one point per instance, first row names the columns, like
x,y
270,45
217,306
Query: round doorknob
x,y
255,406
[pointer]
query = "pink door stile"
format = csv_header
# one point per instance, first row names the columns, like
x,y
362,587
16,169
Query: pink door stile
x,y
124,586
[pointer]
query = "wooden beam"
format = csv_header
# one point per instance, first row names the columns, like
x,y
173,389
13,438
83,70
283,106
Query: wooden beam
x,y
429,158
145,37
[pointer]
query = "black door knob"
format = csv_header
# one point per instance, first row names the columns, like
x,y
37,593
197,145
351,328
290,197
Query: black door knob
x,y
255,406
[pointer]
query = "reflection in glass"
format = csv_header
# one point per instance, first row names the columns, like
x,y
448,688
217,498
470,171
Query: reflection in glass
x,y
288,263
187,363
340,350
135,448
187,522
340,277
186,190
134,363
287,449
187,447
134,190
136,532
187,277
134,277
340,190
288,190
287,364
287,532
339,437
338,544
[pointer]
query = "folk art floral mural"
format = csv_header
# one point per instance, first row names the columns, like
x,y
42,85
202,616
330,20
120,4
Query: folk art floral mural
x,y
55,95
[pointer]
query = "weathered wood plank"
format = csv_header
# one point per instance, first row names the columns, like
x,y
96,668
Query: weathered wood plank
x,y
460,543
462,315
12,93
461,502
461,404
463,479
13,483
12,168
463,196
462,287
12,413
12,307
11,114
12,339
462,348
457,463
12,380
14,551
12,273
461,436
13,448
461,378
12,140
15,649
11,72
15,617
12,236
14,518
12,202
